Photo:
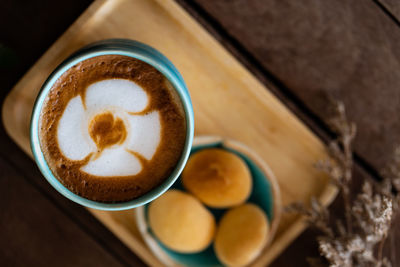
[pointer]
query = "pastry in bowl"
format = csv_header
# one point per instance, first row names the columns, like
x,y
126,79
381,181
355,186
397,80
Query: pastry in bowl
x,y
219,178
241,235
181,222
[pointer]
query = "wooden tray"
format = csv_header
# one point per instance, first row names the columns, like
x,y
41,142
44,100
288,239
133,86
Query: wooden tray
x,y
228,101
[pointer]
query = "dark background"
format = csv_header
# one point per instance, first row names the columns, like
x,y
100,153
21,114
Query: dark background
x,y
307,52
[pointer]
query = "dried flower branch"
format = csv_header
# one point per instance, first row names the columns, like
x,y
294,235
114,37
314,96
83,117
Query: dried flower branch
x,y
358,241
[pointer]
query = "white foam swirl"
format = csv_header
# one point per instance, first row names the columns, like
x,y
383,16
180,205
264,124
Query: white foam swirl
x,y
120,97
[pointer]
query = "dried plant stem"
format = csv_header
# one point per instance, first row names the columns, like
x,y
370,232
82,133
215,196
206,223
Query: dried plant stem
x,y
346,132
380,248
347,207
359,238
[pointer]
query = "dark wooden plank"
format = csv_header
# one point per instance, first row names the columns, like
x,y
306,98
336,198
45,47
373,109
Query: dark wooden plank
x,y
326,49
391,6
35,233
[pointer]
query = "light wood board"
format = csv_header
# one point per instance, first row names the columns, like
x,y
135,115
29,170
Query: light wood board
x,y
228,101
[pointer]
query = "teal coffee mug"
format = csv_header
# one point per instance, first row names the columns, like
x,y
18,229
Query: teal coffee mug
x,y
135,50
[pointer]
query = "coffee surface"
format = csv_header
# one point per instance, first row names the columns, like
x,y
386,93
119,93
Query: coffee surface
x,y
112,128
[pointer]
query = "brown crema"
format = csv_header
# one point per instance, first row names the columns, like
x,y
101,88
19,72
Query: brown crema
x,y
106,129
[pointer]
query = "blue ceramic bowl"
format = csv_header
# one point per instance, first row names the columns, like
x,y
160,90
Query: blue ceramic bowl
x,y
265,194
126,48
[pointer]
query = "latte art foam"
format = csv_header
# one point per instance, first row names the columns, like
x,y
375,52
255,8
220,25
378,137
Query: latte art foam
x,y
112,128
108,125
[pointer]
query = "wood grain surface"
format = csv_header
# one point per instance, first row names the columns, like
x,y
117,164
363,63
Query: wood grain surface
x,y
320,57
336,29
392,8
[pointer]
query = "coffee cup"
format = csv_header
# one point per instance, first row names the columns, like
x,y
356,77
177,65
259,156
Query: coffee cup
x,y
112,50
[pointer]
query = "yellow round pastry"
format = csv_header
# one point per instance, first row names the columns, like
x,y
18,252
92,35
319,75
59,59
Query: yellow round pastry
x,y
217,177
181,222
241,235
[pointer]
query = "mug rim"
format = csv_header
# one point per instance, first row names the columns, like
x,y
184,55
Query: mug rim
x,y
135,50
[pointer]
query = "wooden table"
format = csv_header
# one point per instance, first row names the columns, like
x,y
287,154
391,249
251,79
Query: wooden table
x,y
307,52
